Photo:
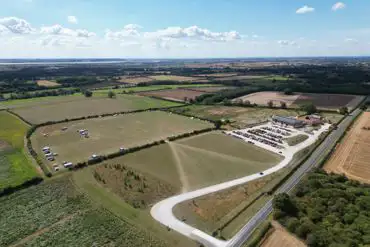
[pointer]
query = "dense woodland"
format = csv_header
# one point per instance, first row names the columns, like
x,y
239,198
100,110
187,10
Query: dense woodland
x,y
327,211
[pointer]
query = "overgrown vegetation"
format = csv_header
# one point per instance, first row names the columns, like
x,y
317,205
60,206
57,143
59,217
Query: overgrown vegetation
x,y
327,210
54,213
15,168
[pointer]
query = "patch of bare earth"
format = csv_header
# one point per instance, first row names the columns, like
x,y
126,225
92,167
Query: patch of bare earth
x,y
279,237
4,145
352,155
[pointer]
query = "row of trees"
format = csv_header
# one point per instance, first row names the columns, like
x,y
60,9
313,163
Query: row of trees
x,y
327,210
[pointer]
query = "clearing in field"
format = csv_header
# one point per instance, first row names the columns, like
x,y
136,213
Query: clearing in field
x,y
47,83
240,117
15,167
200,161
173,94
80,106
322,101
352,155
56,213
278,236
109,134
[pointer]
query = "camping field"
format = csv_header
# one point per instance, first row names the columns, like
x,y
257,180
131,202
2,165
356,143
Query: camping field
x,y
109,134
200,161
322,101
15,167
352,154
60,213
69,107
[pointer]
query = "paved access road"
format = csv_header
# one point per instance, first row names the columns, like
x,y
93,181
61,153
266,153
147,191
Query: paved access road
x,y
317,156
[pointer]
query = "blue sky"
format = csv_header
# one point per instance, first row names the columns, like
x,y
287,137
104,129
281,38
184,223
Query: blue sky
x,y
191,28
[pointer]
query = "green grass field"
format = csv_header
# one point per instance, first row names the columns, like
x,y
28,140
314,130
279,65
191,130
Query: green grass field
x,y
200,161
109,134
15,167
60,108
239,116
295,140
153,88
56,213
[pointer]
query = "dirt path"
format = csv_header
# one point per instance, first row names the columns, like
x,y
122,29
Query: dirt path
x,y
280,237
43,230
180,168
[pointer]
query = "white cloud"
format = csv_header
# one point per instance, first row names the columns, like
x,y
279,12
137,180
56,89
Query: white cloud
x,y
72,19
60,30
193,32
128,31
305,9
338,6
350,40
15,25
287,43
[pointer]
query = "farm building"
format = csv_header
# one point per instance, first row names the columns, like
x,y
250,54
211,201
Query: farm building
x,y
288,121
313,120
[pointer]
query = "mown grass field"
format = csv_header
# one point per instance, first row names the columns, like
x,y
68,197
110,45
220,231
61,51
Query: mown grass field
x,y
239,116
75,106
109,134
15,167
56,213
200,161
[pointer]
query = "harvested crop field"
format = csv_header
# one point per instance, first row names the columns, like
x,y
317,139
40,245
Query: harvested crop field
x,y
262,98
278,236
173,94
80,106
352,154
47,83
322,101
240,117
134,79
173,78
107,135
200,161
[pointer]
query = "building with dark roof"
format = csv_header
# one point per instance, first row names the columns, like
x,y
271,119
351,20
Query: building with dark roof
x,y
288,121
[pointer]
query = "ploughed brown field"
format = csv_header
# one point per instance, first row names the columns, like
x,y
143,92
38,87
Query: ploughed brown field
x,y
352,155
322,101
173,94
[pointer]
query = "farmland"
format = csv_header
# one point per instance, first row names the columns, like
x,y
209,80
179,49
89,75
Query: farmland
x,y
78,106
239,116
173,94
109,134
352,155
15,167
55,213
200,161
154,78
278,236
47,83
322,101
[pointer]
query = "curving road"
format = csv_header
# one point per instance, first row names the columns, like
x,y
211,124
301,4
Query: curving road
x,y
315,159
163,211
